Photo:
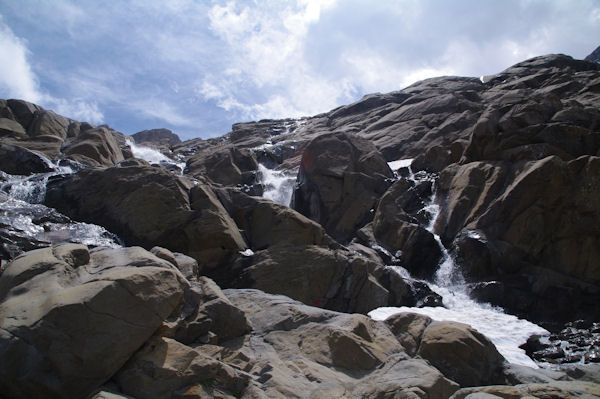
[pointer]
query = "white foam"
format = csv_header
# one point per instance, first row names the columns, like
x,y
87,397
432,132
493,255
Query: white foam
x,y
152,155
507,332
399,164
278,185
247,252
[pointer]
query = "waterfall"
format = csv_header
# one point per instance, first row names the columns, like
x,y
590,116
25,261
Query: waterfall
x,y
507,332
23,218
153,156
278,185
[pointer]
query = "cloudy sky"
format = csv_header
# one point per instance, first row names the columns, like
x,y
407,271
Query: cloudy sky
x,y
196,66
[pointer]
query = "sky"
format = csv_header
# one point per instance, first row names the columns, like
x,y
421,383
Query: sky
x,y
196,67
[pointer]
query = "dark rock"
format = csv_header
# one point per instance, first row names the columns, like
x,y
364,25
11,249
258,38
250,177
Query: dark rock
x,y
265,223
17,160
317,276
95,146
149,206
340,179
47,123
23,112
229,167
594,56
157,137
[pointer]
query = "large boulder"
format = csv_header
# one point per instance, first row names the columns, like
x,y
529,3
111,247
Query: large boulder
x,y
462,354
315,275
156,137
530,228
165,368
11,128
23,111
64,308
16,160
227,167
95,146
341,177
265,223
149,206
301,351
48,123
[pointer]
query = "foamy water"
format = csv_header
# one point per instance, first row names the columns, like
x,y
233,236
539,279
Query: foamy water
x,y
21,208
152,155
278,185
507,332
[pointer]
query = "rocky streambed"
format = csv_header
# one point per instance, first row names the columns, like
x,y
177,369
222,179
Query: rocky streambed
x,y
460,213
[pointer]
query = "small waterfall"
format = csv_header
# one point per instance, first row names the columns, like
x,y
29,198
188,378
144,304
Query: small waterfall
x,y
278,185
26,223
507,332
154,156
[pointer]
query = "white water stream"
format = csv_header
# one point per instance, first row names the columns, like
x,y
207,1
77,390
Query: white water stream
x,y
153,156
21,210
278,185
507,332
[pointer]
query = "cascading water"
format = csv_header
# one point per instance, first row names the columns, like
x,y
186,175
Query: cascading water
x,y
278,185
154,156
507,332
27,224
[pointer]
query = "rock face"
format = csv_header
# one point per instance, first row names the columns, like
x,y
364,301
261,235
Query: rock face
x,y
64,308
511,161
184,219
95,146
461,353
16,160
340,179
157,137
594,56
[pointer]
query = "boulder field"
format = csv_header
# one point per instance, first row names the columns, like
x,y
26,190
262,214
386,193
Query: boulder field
x,y
79,322
215,291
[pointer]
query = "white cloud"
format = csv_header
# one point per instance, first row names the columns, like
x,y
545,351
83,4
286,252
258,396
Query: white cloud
x,y
78,109
17,80
265,46
159,109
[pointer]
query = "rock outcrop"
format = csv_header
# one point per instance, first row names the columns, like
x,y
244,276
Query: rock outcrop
x,y
149,206
63,309
511,161
340,179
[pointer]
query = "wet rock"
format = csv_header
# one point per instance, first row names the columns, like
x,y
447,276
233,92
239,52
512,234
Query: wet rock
x,y
408,292
16,160
577,342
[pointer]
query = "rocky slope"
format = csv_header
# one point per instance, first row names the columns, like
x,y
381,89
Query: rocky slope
x,y
511,162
